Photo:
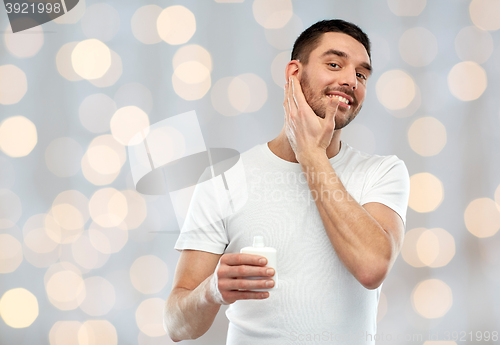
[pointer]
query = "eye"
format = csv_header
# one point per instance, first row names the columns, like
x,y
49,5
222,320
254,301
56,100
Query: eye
x,y
334,65
360,75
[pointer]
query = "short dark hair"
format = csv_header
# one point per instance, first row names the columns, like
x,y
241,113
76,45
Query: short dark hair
x,y
309,39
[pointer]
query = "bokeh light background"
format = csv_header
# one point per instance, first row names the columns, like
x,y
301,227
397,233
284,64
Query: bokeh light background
x,y
84,259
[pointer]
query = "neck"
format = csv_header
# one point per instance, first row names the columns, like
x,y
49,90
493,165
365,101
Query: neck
x,y
281,147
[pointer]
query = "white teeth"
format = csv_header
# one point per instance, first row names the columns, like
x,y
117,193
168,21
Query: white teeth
x,y
342,99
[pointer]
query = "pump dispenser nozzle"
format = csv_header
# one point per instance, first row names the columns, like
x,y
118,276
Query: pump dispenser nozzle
x,y
258,241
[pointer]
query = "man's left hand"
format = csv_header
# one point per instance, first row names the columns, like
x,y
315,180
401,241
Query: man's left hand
x,y
307,133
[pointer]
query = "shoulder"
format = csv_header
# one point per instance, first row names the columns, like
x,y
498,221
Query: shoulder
x,y
364,161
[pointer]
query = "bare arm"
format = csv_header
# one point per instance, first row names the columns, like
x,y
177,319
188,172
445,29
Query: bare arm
x,y
366,238
199,290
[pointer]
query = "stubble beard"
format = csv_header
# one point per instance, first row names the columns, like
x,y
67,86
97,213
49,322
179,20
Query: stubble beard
x,y
319,107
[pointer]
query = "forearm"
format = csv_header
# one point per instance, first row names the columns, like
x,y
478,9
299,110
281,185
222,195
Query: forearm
x,y
361,243
190,313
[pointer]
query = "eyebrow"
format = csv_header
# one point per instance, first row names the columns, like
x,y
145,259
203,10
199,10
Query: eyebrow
x,y
342,54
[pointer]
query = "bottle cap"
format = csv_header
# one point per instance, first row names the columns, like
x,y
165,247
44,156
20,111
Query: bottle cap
x,y
258,241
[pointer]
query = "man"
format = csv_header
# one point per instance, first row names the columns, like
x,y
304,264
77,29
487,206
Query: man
x,y
335,246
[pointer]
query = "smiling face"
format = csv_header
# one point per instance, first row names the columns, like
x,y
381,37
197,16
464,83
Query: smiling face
x,y
337,71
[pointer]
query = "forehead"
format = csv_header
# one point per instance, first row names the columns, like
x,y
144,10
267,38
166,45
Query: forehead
x,y
341,42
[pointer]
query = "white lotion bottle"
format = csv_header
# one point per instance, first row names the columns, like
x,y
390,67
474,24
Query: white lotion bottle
x,y
269,253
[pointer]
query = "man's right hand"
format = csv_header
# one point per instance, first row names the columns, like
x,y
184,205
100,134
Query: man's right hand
x,y
228,278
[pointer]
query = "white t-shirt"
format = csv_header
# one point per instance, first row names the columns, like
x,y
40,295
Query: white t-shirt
x,y
317,301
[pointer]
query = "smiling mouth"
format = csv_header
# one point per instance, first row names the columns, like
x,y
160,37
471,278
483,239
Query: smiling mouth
x,y
342,101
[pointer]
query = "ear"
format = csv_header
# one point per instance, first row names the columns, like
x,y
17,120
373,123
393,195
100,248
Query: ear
x,y
294,67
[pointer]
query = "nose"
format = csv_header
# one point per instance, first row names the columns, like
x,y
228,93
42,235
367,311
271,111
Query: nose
x,y
348,78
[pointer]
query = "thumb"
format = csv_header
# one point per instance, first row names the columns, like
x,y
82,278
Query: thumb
x,y
330,116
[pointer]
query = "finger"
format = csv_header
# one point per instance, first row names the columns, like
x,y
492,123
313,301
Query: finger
x,y
244,284
237,295
286,105
226,271
330,115
292,106
298,95
236,259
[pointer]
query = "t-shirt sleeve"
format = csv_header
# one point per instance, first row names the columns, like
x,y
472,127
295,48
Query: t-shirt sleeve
x,y
389,185
204,227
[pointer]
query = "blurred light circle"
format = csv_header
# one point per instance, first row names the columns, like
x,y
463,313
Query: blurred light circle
x,y
247,92
41,260
176,25
63,156
96,111
70,210
149,317
35,236
91,59
485,14
99,298
108,207
128,121
283,38
137,209
101,21
278,68
10,208
473,44
65,289
86,255
192,72
191,92
411,108
427,136
272,14
166,144
428,247
229,1
18,136
11,253
435,247
192,52
18,308
395,89
108,240
406,8
360,137
103,159
220,97
144,24
467,81
97,332
94,176
13,84
72,16
482,217
134,94
63,62
497,197
112,75
432,298
64,333
409,248
7,173
149,274
24,44
426,192
418,46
